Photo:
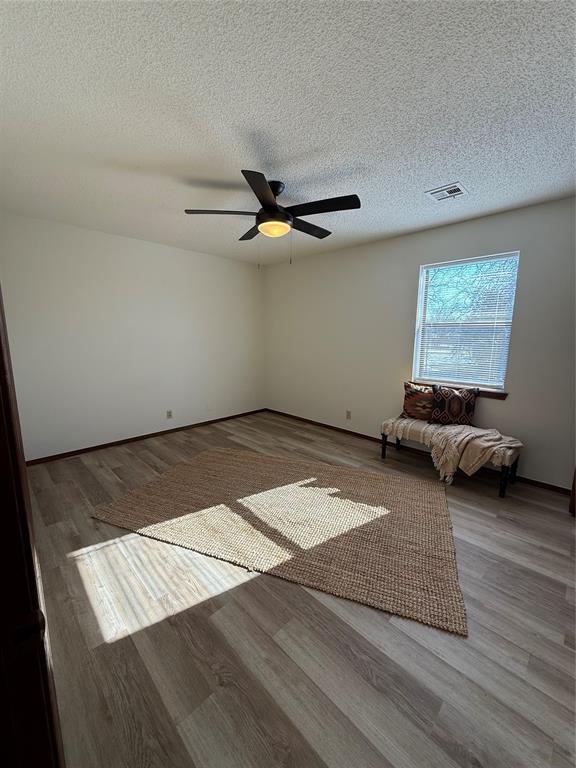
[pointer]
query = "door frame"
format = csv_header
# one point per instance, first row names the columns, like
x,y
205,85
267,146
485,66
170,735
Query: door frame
x,y
32,732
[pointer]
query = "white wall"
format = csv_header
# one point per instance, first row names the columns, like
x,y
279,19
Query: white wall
x,y
107,333
340,331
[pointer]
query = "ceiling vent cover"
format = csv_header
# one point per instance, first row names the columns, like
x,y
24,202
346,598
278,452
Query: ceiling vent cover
x,y
449,192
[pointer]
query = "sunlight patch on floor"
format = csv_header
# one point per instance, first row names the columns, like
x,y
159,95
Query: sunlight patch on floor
x,y
310,515
132,582
291,518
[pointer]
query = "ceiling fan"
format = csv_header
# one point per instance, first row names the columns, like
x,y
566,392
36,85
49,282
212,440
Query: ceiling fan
x,y
274,220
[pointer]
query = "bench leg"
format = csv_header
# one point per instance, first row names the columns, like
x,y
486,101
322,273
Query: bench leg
x,y
384,439
504,474
513,471
397,443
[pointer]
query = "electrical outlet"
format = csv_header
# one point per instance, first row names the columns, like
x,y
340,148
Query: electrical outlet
x,y
168,414
348,415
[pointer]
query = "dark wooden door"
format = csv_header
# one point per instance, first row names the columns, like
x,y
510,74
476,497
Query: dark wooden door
x,y
32,736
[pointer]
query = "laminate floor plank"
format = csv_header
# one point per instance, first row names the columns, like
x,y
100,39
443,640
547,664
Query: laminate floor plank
x,y
372,712
541,710
413,700
263,734
166,657
335,738
497,735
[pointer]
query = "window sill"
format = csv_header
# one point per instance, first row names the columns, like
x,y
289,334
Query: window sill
x,y
490,394
494,394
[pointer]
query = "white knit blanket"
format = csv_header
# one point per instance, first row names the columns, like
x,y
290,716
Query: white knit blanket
x,y
456,446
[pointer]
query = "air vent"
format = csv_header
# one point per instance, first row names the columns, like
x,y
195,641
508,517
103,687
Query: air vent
x,y
450,191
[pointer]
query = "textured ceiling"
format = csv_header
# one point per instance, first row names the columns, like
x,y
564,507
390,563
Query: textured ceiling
x,y
117,116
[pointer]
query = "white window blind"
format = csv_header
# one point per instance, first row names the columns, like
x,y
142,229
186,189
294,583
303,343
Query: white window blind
x,y
464,319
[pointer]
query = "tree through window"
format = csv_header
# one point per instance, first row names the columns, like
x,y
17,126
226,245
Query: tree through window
x,y
464,319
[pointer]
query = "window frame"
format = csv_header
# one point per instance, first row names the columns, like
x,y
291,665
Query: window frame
x,y
498,393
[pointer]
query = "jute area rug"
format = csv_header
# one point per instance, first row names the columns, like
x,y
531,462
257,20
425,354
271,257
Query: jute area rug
x,y
382,540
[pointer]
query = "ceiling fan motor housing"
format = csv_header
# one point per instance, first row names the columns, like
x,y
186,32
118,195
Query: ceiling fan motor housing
x,y
273,214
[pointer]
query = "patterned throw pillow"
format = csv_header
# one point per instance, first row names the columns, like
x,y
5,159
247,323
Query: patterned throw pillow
x,y
418,401
453,406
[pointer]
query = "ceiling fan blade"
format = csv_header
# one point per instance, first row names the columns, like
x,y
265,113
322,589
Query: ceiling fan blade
x,y
229,213
250,234
310,229
343,203
261,188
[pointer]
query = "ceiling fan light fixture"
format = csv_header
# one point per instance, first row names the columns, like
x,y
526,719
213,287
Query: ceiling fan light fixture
x,y
274,228
274,222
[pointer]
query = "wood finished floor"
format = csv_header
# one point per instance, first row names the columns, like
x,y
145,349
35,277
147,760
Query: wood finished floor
x,y
164,658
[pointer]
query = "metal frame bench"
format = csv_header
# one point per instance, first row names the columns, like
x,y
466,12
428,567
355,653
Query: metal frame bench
x,y
508,469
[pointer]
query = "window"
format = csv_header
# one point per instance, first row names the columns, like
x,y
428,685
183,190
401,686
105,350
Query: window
x,y
464,319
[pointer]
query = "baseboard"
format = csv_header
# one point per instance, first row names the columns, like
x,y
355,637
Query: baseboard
x,y
411,449
68,454
326,426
